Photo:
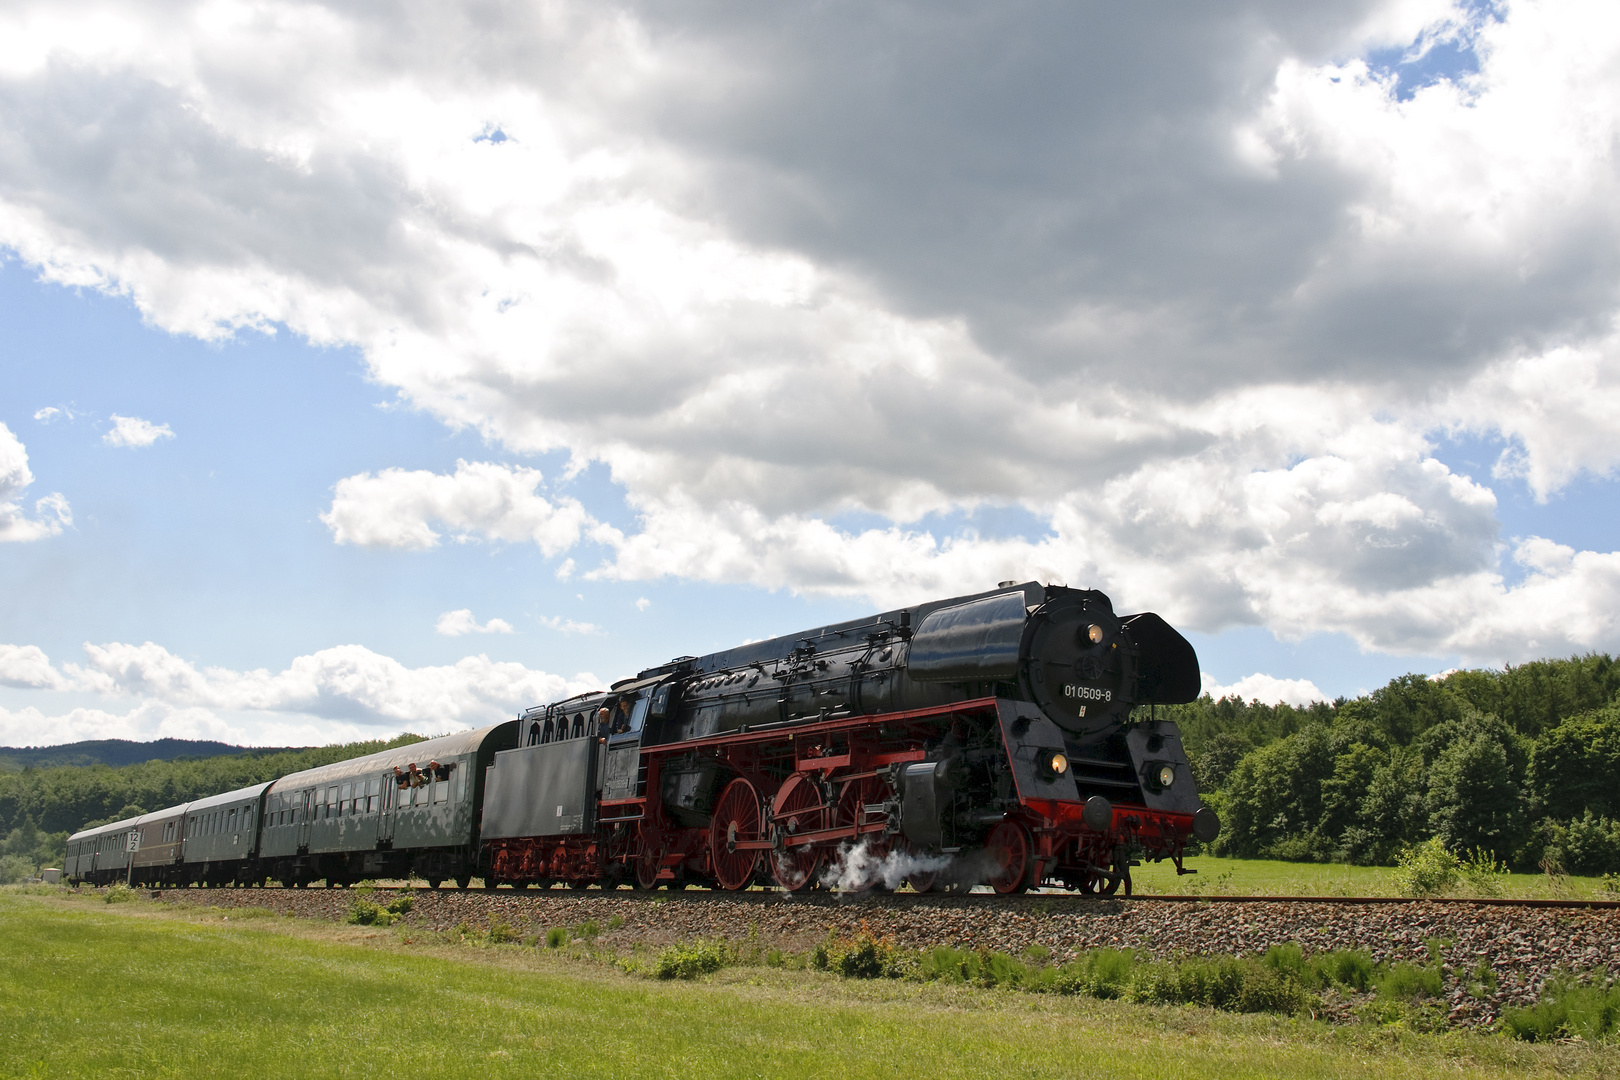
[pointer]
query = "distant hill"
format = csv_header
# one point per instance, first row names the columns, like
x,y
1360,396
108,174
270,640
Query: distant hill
x,y
116,752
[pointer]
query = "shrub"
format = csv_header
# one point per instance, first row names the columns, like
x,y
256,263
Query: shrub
x,y
588,930
1427,869
866,957
118,894
1403,980
363,912
863,956
556,937
1567,1008
1348,968
1235,984
1482,873
688,960
502,932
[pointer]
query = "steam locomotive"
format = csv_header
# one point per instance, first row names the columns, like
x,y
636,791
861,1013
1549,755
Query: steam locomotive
x,y
996,738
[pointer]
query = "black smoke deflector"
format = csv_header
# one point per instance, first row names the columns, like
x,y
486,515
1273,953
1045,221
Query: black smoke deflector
x,y
1167,665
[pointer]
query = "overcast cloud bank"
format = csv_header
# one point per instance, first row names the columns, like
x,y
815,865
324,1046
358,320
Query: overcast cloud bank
x,y
1200,290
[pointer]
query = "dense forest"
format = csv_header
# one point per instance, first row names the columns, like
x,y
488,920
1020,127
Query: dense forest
x,y
1522,763
120,752
39,807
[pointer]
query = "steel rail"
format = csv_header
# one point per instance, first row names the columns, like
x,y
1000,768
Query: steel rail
x,y
700,894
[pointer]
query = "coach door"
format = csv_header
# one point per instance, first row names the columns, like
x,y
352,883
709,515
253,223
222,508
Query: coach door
x,y
306,815
385,812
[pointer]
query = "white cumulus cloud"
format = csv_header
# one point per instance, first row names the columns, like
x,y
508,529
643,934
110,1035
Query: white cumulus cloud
x,y
1265,689
568,626
339,693
459,622
132,431
27,667
51,513
481,500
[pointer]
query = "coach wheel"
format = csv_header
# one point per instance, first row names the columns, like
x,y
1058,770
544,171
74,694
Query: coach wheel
x,y
737,819
433,882
798,809
464,881
1010,852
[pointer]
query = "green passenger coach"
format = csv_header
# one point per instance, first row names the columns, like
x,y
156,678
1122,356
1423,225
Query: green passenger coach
x,y
410,810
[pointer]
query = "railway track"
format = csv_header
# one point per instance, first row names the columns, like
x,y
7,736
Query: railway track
x,y
984,899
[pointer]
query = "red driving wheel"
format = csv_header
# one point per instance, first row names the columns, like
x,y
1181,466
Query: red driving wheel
x,y
1010,851
798,809
737,817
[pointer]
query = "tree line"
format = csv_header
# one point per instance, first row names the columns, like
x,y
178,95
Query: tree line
x,y
40,807
1521,763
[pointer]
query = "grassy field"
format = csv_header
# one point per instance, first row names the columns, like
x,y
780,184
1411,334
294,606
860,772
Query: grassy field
x,y
139,989
1261,877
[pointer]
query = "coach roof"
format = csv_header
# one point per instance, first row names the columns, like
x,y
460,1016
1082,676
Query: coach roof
x,y
252,791
440,749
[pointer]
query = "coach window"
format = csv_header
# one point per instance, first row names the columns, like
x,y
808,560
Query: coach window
x,y
459,777
331,801
231,826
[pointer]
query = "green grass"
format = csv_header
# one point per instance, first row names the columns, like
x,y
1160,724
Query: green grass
x,y
138,989
1264,877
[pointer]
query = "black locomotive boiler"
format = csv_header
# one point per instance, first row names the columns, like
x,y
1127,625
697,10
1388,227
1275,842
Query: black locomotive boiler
x,y
1007,737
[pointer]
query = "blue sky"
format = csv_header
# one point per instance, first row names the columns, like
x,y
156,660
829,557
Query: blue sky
x,y
1313,352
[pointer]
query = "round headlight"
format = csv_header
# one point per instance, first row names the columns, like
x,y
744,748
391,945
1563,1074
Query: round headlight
x,y
1167,775
1094,634
1059,764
